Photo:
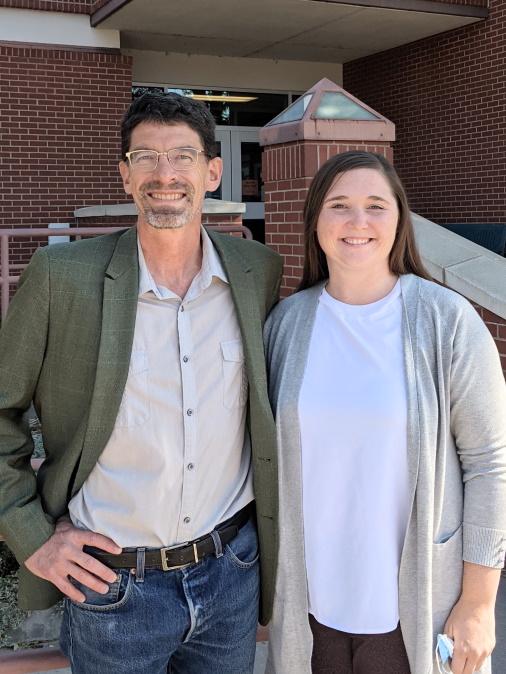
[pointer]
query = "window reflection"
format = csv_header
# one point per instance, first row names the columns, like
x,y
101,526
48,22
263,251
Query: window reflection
x,y
244,108
251,172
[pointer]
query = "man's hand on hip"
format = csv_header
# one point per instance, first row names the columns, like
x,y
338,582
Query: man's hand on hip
x,y
62,556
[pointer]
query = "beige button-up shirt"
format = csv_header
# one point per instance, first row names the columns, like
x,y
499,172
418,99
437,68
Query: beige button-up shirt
x,y
179,460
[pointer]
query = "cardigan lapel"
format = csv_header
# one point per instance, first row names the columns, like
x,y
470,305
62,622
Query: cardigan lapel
x,y
409,286
119,307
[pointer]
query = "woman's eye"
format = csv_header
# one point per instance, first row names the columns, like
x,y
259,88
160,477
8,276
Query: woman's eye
x,y
338,206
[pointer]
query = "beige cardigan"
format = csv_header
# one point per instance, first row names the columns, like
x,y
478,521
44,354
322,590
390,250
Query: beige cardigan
x,y
455,387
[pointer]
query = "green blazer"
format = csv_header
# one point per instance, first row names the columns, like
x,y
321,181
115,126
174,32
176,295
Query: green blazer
x,y
66,344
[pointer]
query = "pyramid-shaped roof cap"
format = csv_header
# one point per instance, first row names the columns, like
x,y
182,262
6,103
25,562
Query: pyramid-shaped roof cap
x,y
327,112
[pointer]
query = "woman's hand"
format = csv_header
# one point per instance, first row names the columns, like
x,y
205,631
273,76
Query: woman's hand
x,y
471,623
472,628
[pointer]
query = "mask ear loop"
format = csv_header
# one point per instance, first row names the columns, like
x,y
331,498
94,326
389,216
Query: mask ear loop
x,y
438,659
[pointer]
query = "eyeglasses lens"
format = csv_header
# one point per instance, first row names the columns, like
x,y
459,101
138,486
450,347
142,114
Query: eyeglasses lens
x,y
181,159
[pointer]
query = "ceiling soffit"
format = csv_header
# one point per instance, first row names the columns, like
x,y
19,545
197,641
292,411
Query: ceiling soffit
x,y
294,30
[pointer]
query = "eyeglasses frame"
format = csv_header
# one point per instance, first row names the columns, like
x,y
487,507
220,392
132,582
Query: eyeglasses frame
x,y
127,155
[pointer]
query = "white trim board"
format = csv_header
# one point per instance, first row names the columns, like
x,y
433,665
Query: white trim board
x,y
41,27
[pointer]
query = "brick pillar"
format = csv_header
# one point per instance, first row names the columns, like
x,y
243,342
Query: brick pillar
x,y
288,169
232,220
294,151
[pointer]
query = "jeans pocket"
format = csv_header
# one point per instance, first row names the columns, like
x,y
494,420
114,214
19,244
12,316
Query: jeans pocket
x,y
243,550
117,596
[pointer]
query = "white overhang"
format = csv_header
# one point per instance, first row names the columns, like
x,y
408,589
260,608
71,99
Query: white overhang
x,y
54,28
301,30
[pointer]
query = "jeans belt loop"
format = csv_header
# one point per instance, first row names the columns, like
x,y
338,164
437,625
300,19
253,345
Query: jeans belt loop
x,y
139,569
218,548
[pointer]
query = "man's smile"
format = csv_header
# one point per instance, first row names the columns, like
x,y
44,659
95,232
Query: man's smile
x,y
166,197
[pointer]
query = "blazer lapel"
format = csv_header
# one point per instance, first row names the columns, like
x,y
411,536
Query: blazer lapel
x,y
121,287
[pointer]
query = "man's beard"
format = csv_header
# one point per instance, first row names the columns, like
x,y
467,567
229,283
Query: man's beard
x,y
169,215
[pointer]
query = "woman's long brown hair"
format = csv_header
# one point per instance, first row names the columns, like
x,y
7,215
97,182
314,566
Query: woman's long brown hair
x,y
404,256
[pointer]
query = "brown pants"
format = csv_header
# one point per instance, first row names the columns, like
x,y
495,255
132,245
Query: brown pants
x,y
336,652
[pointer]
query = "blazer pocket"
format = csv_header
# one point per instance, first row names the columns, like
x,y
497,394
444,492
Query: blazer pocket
x,y
135,405
235,385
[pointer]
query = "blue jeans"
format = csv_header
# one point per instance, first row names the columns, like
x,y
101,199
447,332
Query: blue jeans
x,y
198,620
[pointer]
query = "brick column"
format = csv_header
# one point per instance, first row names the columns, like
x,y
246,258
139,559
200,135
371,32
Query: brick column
x,y
296,143
288,169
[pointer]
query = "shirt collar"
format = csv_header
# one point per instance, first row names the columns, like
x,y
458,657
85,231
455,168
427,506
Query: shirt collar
x,y
211,266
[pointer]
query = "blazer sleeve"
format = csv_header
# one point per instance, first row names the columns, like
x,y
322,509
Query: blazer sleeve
x,y
23,337
478,424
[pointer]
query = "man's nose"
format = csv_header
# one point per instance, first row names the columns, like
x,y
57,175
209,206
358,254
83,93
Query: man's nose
x,y
164,168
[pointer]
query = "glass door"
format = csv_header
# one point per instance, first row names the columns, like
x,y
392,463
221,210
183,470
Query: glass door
x,y
224,191
242,174
247,183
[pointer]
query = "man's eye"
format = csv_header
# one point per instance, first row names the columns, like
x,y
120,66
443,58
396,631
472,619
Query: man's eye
x,y
184,157
144,157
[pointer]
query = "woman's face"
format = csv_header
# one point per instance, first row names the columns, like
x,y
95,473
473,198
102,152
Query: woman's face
x,y
358,221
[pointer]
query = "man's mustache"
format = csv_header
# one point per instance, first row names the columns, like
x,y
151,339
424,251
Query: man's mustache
x,y
155,185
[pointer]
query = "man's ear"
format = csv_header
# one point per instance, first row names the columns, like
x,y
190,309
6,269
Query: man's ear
x,y
214,171
124,169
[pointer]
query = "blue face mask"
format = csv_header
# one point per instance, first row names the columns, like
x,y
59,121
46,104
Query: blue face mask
x,y
444,653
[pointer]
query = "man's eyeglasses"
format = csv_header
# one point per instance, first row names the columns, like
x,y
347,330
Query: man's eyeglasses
x,y
180,158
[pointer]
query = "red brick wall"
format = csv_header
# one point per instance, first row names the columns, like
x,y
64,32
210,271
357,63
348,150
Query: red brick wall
x,y
446,96
288,170
59,115
74,6
97,4
474,3
497,327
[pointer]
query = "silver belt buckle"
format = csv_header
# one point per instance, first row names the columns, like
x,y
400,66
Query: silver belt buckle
x,y
166,567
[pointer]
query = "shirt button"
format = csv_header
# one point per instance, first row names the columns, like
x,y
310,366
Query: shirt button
x,y
191,466
189,412
187,520
185,359
182,308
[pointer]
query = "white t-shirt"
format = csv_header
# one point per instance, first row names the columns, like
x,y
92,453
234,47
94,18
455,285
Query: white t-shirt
x,y
353,421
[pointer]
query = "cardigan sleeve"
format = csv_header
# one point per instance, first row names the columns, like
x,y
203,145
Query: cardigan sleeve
x,y
478,424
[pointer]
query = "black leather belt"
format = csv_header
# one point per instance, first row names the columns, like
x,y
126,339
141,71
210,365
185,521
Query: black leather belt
x,y
178,556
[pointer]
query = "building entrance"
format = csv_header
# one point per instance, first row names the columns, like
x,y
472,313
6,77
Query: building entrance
x,y
242,173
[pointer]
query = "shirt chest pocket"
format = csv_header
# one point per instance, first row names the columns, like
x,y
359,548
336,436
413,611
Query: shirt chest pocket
x,y
235,383
135,404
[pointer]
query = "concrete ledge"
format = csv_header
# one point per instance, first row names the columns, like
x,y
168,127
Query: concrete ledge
x,y
463,266
211,207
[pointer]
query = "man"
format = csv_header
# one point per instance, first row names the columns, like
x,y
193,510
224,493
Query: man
x,y
139,350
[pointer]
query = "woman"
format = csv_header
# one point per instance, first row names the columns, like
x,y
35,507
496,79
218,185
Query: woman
x,y
390,408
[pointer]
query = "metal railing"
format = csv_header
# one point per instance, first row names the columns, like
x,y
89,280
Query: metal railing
x,y
6,279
